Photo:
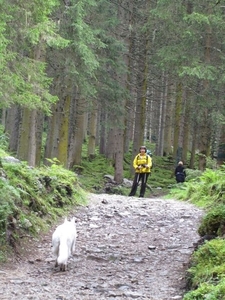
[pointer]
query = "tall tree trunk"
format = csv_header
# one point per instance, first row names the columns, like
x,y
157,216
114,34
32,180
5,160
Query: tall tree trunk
x,y
193,146
23,144
129,105
12,126
161,123
102,131
221,147
119,154
39,133
32,138
140,113
178,108
205,132
64,131
51,145
3,116
186,127
77,136
29,147
92,130
169,125
111,143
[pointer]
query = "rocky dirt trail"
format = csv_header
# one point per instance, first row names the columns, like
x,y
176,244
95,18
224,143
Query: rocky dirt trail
x,y
127,248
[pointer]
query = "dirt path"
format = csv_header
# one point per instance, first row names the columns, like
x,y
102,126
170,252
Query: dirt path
x,y
127,248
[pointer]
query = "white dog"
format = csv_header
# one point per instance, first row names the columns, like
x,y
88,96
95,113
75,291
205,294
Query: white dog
x,y
63,242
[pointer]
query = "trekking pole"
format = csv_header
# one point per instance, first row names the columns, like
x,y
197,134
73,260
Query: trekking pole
x,y
145,178
138,177
148,186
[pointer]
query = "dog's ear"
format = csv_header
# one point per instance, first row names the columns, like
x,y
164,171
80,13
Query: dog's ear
x,y
65,220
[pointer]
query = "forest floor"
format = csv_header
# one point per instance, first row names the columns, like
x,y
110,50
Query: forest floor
x,y
127,248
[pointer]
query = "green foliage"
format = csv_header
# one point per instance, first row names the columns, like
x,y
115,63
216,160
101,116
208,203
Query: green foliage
x,y
93,171
193,175
3,139
214,222
186,29
207,291
206,275
84,45
201,71
32,198
207,271
198,18
206,189
8,196
25,33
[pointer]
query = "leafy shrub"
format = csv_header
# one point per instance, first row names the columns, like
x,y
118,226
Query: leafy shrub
x,y
4,139
8,196
207,271
32,198
214,222
207,291
205,190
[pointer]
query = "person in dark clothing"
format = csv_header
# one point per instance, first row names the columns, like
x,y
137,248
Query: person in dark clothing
x,y
142,164
180,173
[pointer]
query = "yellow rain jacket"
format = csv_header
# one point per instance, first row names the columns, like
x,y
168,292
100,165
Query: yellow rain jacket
x,y
142,163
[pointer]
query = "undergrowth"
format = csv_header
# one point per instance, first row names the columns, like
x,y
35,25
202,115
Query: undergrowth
x,y
92,172
206,274
31,199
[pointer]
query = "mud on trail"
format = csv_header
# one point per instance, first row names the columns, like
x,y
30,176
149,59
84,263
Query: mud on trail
x,y
127,248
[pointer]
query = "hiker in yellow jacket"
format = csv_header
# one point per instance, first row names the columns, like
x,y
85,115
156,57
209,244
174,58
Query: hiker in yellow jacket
x,y
142,164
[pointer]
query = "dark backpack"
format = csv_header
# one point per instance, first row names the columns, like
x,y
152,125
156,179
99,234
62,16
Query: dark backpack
x,y
149,152
180,177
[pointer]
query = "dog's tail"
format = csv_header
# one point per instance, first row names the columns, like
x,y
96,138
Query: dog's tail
x,y
63,254
62,260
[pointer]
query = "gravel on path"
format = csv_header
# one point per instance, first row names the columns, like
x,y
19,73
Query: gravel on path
x,y
127,248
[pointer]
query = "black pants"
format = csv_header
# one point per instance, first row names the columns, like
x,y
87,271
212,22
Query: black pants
x,y
180,177
139,176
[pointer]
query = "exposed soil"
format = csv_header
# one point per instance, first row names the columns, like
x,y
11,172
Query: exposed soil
x,y
127,248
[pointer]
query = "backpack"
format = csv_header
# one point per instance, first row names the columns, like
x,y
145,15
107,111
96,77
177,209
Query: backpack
x,y
149,152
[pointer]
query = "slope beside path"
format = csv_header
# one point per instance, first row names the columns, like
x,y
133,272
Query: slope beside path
x,y
127,248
